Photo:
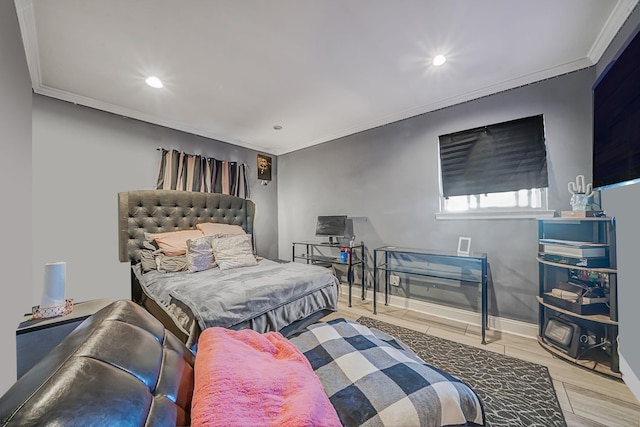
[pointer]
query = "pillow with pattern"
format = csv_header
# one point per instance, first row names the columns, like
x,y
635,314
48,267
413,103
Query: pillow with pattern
x,y
200,254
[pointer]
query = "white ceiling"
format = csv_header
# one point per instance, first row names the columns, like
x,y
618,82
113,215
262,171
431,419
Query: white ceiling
x,y
322,69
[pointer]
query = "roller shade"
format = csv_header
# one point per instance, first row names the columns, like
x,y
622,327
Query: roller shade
x,y
507,156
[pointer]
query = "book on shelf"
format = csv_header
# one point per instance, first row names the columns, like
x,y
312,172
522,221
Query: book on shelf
x,y
572,248
587,262
576,297
583,309
575,252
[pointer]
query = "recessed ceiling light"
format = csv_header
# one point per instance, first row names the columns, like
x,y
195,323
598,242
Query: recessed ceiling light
x,y
153,81
439,60
277,127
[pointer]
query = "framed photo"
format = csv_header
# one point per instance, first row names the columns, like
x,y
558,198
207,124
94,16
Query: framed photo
x,y
264,167
464,245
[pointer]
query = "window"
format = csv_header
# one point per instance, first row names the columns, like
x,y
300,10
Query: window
x,y
500,167
508,200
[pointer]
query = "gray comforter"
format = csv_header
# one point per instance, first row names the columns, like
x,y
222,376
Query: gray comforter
x,y
229,297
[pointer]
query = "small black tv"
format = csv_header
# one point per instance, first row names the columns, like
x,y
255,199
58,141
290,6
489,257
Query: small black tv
x,y
331,226
616,119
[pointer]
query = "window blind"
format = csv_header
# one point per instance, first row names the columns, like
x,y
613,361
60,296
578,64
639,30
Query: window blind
x,y
507,156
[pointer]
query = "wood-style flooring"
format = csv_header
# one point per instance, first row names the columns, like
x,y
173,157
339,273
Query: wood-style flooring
x,y
586,398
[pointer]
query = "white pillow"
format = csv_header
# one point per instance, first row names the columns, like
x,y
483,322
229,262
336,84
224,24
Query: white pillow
x,y
233,251
200,254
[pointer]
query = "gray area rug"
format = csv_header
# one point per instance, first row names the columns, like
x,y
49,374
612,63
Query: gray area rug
x,y
514,392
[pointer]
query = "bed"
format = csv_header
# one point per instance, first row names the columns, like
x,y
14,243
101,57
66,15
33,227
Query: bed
x,y
268,296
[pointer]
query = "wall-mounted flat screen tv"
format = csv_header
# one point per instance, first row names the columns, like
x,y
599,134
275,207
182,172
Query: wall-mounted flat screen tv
x,y
616,119
331,226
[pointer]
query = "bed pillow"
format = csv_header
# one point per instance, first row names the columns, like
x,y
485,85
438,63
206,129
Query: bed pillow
x,y
233,251
171,264
147,260
149,243
175,242
213,228
200,254
156,260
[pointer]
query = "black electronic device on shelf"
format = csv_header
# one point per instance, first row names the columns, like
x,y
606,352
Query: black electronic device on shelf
x,y
563,335
332,226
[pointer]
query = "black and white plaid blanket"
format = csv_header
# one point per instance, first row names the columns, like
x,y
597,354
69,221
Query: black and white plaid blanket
x,y
373,379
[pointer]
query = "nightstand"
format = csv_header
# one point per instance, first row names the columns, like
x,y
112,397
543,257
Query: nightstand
x,y
36,338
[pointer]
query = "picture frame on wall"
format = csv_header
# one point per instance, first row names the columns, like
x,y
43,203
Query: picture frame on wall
x,y
264,167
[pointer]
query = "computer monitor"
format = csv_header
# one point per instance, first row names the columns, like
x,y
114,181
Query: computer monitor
x,y
331,226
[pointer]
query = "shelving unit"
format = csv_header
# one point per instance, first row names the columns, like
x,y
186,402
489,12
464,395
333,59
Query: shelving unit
x,y
431,263
324,254
598,348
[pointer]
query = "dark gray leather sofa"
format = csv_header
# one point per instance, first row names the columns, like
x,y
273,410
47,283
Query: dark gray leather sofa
x,y
120,367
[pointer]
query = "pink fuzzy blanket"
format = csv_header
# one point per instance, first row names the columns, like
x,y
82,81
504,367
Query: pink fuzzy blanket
x,y
243,378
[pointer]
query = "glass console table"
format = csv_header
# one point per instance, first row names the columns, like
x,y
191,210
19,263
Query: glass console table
x,y
434,264
323,254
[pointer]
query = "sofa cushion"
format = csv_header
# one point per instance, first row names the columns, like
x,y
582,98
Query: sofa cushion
x,y
119,367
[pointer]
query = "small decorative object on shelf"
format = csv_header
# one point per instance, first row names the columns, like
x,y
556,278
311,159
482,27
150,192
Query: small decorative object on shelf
x,y
47,312
581,194
344,255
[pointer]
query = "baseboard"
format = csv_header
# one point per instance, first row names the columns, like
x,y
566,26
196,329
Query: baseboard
x,y
629,377
502,324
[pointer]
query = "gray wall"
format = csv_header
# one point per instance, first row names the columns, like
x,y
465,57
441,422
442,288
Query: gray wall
x,y
624,204
15,188
387,179
81,159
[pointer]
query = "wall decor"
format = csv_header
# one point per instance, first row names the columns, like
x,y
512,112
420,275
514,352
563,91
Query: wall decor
x,y
264,168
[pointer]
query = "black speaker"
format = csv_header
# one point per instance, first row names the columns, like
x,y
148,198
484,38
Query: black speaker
x,y
563,335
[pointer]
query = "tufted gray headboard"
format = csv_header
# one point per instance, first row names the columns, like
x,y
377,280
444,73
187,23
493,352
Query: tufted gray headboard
x,y
156,211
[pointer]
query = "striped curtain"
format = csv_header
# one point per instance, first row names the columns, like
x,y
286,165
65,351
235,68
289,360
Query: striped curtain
x,y
188,172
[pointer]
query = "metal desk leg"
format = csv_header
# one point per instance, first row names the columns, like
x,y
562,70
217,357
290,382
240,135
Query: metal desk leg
x,y
386,278
364,282
484,315
350,277
375,279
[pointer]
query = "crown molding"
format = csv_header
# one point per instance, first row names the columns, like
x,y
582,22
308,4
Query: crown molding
x,y
620,14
